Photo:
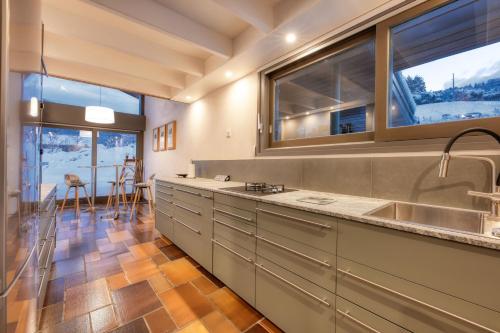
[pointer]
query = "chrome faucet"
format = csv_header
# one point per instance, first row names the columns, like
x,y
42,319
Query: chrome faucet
x,y
494,196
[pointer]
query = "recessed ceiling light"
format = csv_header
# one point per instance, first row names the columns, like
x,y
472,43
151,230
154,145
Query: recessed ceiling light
x,y
228,74
287,117
308,113
189,98
290,38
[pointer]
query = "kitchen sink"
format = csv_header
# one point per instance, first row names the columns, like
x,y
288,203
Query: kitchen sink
x,y
442,217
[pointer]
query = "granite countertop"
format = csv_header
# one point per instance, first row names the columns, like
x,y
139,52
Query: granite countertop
x,y
45,190
344,207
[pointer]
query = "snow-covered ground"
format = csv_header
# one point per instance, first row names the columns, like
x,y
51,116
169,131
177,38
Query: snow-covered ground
x,y
449,111
57,162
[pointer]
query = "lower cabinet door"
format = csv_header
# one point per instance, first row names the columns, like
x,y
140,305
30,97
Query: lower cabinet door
x,y
354,319
291,302
234,266
164,224
197,245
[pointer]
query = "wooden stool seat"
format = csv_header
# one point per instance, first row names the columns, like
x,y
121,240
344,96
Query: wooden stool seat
x,y
73,181
139,187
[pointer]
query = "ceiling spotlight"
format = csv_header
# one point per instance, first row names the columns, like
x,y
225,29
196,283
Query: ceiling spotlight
x,y
228,74
290,38
189,98
308,113
287,117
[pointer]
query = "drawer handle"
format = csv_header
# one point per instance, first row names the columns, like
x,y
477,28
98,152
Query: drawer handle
x,y
300,254
166,193
167,201
234,228
169,216
232,214
198,194
232,251
414,300
187,226
302,290
326,226
188,209
165,186
357,321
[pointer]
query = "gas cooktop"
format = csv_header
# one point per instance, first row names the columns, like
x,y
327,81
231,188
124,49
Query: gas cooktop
x,y
260,189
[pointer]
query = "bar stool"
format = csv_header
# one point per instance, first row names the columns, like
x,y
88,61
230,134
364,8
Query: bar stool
x,y
139,187
73,181
122,181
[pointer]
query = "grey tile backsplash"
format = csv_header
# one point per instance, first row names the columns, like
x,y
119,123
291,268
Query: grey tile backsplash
x,y
396,178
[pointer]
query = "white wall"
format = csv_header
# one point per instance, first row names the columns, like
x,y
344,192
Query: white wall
x,y
202,127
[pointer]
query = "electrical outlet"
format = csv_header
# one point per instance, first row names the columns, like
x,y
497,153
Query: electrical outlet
x,y
228,133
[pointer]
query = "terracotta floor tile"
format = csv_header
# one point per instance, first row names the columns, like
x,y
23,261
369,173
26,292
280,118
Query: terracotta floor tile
x,y
77,324
180,271
75,280
144,250
103,319
125,257
240,313
173,252
117,281
140,270
103,268
185,304
85,298
137,326
51,315
257,328
134,301
67,267
159,283
204,285
118,236
55,292
160,242
160,259
160,322
195,327
215,322
93,256
270,327
192,261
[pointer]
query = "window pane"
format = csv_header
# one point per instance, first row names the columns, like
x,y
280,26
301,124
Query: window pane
x,y
446,65
66,151
333,96
113,148
69,92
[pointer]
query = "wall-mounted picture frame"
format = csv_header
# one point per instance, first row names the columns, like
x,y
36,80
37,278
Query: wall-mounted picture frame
x,y
155,139
162,137
171,135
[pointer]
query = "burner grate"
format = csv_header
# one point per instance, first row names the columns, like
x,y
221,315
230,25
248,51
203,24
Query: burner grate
x,y
263,187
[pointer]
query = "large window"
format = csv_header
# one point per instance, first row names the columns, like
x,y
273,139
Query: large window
x,y
61,91
65,151
446,65
426,73
114,148
328,98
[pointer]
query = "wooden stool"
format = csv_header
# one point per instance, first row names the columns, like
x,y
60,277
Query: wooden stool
x,y
123,192
73,181
139,187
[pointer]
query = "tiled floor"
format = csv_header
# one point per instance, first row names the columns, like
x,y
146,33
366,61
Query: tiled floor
x,y
120,276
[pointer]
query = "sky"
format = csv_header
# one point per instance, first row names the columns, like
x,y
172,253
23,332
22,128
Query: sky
x,y
469,67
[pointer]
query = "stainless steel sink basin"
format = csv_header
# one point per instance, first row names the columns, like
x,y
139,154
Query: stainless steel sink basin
x,y
442,217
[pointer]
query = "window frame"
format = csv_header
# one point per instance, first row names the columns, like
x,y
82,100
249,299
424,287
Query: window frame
x,y
302,63
382,87
382,136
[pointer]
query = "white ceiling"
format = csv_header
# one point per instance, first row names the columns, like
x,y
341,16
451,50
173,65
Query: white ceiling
x,y
180,48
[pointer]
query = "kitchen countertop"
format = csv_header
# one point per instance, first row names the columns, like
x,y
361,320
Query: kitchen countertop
x,y
45,190
345,207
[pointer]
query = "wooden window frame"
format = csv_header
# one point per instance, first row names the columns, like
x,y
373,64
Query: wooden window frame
x,y
304,62
423,136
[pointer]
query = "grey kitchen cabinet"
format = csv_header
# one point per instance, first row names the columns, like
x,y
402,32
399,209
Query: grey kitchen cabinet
x,y
234,245
354,319
46,240
291,302
164,209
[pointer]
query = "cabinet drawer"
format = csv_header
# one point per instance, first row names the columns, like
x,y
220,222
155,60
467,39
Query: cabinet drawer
x,y
292,303
428,261
166,205
164,186
230,200
308,262
410,305
308,228
164,224
191,194
164,194
238,233
234,266
235,213
195,241
354,319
